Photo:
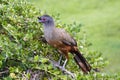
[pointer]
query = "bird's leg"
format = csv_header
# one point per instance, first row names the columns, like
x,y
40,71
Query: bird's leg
x,y
65,63
59,60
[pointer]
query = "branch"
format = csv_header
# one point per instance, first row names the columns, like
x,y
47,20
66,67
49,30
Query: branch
x,y
62,69
4,72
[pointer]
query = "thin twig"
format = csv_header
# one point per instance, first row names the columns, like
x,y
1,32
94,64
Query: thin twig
x,y
3,72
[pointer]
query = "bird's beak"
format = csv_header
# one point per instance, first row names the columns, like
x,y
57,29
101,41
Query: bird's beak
x,y
39,19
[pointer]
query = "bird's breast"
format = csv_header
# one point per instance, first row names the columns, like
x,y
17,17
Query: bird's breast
x,y
48,33
51,34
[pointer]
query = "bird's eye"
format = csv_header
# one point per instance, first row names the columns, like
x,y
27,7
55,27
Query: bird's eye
x,y
44,19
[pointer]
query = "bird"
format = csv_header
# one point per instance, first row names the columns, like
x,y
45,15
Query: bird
x,y
63,41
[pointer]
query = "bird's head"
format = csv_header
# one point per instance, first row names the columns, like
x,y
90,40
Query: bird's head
x,y
46,20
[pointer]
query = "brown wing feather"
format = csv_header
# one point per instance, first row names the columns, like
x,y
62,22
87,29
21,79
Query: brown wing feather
x,y
65,37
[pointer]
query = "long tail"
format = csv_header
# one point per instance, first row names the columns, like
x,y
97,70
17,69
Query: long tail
x,y
81,61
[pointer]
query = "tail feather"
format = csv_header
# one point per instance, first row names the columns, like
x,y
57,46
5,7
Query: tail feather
x,y
81,61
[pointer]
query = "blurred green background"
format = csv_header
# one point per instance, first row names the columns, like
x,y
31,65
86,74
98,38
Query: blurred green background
x,y
100,20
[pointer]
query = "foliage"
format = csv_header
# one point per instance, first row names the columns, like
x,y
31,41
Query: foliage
x,y
22,53
100,20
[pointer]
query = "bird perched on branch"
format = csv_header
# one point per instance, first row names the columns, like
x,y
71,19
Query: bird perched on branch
x,y
61,40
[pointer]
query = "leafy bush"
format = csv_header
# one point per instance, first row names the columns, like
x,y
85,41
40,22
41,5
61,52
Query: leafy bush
x,y
23,55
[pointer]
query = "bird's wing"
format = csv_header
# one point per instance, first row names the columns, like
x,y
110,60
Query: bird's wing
x,y
69,42
66,38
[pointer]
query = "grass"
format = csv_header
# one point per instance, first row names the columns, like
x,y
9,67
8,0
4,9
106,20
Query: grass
x,y
100,19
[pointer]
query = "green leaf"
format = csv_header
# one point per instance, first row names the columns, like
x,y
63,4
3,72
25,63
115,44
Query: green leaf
x,y
36,58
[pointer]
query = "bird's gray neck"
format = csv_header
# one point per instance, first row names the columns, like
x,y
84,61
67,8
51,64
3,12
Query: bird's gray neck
x,y
49,26
48,30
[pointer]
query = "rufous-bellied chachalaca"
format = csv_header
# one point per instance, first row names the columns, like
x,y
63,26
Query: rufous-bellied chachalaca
x,y
61,40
